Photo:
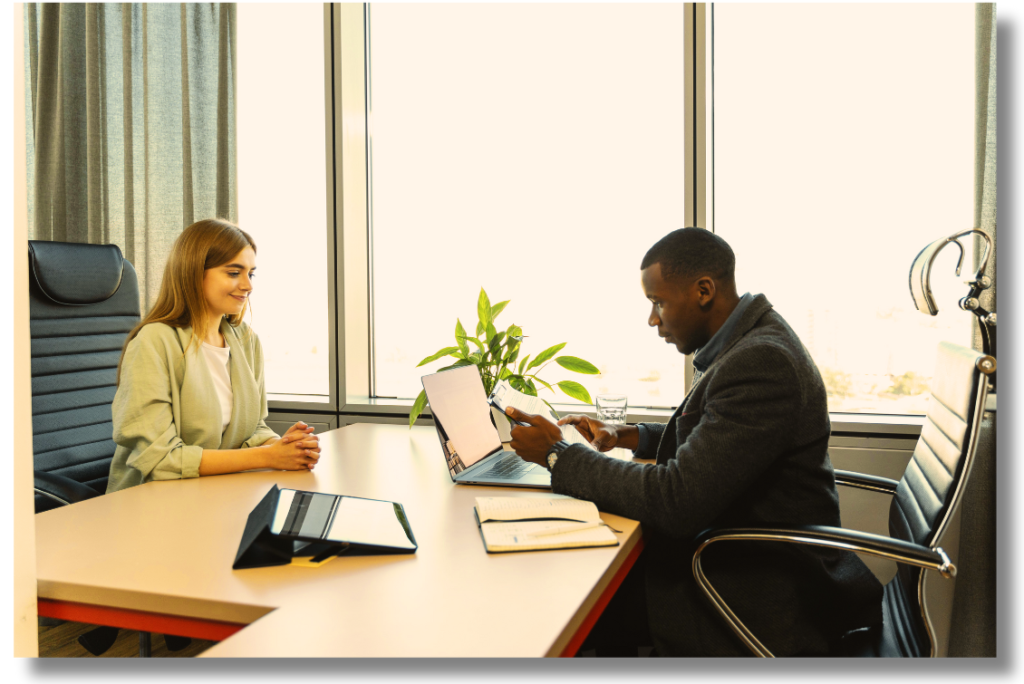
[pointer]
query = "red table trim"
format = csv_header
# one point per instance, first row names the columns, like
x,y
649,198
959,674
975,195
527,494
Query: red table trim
x,y
588,624
210,630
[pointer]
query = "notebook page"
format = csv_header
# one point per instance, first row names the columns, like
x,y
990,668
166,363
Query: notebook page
x,y
526,508
520,536
505,395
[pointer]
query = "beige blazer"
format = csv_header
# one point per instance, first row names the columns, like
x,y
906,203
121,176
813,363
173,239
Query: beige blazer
x,y
166,409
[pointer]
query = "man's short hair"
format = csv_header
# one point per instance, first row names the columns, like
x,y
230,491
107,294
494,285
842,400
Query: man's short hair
x,y
688,253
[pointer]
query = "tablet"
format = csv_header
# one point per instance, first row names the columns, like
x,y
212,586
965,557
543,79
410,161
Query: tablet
x,y
342,519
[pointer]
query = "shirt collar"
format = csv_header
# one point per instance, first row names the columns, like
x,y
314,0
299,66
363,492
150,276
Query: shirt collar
x,y
707,354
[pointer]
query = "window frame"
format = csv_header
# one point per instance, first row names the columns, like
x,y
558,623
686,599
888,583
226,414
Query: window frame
x,y
350,242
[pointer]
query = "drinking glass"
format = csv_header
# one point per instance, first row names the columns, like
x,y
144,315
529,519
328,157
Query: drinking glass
x,y
611,408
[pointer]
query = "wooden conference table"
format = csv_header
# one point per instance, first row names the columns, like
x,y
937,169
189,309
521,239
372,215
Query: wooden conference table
x,y
158,558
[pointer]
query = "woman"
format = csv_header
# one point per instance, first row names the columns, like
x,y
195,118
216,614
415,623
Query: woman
x,y
190,398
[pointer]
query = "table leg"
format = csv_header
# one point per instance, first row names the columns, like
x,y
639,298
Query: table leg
x,y
588,624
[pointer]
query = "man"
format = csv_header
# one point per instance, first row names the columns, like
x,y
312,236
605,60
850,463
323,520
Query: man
x,y
747,447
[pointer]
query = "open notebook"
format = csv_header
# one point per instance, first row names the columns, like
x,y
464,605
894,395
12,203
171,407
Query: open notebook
x,y
537,524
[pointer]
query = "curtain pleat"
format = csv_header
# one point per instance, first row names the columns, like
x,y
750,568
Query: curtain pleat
x,y
131,111
973,619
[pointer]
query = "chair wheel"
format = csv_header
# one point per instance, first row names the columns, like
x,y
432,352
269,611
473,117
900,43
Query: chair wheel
x,y
176,643
99,640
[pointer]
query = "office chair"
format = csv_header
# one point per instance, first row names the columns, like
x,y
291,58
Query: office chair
x,y
83,302
923,502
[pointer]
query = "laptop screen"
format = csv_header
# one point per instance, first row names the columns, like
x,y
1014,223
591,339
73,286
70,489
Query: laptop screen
x,y
458,402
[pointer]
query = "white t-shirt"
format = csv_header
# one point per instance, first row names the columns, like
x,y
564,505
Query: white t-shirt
x,y
217,360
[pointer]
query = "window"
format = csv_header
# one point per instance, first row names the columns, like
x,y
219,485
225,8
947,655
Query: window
x,y
282,193
843,144
536,151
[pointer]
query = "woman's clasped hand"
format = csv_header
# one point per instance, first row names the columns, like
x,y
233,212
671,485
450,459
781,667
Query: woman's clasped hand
x,y
297,449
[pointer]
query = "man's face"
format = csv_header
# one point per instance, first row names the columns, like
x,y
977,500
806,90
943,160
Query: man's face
x,y
676,309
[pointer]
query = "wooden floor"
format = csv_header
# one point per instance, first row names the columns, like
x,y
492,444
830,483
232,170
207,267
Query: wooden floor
x,y
61,641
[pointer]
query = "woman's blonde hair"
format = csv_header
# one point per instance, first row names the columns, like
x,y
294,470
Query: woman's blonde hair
x,y
181,302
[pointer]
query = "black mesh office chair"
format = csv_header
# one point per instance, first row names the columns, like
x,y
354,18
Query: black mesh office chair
x,y
923,502
83,302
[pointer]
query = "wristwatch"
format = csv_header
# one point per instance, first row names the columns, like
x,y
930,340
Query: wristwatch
x,y
556,448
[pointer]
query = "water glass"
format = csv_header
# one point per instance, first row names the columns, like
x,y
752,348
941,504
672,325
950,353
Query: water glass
x,y
611,408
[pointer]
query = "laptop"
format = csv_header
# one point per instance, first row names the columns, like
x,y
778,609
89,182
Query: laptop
x,y
469,439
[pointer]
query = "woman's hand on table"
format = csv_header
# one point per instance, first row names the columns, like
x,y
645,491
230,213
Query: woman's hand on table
x,y
297,449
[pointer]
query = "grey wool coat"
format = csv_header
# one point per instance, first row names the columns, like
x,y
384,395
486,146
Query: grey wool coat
x,y
748,447
166,409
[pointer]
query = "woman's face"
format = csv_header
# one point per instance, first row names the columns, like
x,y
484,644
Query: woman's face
x,y
228,286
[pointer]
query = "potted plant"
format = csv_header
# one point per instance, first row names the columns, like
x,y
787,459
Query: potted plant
x,y
496,353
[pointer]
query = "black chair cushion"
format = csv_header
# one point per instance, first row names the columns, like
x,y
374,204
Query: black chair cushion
x,y
75,274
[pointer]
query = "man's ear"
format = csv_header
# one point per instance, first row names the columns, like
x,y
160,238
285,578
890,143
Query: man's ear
x,y
706,291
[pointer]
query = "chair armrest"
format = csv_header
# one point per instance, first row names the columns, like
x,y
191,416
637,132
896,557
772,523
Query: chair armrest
x,y
837,538
62,489
816,535
872,483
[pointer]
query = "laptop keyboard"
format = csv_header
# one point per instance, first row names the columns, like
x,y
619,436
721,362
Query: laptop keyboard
x,y
508,468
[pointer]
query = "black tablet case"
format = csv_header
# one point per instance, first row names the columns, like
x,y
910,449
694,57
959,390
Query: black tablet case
x,y
262,548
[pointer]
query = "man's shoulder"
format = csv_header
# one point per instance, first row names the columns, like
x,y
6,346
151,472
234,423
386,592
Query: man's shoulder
x,y
770,343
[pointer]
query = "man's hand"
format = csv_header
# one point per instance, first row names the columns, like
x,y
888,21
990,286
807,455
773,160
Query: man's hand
x,y
533,441
603,436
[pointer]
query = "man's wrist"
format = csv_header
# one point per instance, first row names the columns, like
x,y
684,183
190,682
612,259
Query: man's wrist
x,y
627,436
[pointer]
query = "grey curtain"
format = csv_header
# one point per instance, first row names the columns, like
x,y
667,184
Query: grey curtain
x,y
973,627
131,124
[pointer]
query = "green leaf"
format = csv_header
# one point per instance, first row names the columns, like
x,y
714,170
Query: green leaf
x,y
483,309
458,364
479,328
543,383
491,332
434,357
475,341
522,364
577,365
519,382
511,358
575,390
514,331
532,391
498,308
505,373
495,345
476,358
545,355
417,407
551,407
460,338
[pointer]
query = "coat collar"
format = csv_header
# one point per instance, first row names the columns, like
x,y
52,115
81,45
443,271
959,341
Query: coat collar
x,y
757,308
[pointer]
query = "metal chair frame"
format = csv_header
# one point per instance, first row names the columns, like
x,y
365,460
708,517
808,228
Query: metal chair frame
x,y
928,557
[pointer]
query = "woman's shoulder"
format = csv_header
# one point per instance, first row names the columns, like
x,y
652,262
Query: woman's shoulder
x,y
156,333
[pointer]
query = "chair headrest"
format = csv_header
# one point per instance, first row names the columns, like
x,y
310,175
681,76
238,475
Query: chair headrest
x,y
76,274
